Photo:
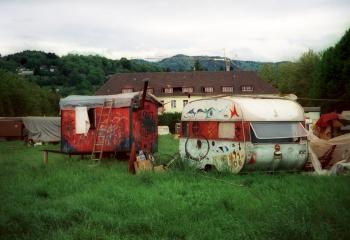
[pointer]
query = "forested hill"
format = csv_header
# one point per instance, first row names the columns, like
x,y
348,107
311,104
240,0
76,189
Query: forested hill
x,y
70,74
81,74
208,63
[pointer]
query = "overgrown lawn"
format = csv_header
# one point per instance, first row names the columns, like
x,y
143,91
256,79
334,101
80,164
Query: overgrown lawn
x,y
68,199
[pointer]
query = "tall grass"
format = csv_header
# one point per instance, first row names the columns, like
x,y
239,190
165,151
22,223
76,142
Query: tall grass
x,y
70,200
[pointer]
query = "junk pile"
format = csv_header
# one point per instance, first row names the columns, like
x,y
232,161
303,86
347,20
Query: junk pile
x,y
330,144
142,161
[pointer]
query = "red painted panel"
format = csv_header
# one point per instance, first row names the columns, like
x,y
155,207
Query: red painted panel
x,y
204,129
209,130
117,134
143,130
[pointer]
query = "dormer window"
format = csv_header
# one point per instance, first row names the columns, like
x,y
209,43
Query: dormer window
x,y
168,90
247,88
150,90
127,90
187,89
208,89
227,89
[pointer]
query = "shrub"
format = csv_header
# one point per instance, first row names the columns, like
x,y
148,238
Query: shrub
x,y
169,119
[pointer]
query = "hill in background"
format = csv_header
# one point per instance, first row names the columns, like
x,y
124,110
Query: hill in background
x,y
81,74
180,62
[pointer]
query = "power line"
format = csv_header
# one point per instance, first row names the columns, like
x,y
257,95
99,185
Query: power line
x,y
324,99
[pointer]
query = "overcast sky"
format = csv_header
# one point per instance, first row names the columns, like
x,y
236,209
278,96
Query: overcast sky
x,y
248,30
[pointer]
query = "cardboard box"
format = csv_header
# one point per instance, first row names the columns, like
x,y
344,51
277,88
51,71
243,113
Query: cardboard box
x,y
143,165
160,168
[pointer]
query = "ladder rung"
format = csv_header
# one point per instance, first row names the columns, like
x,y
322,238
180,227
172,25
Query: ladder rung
x,y
101,130
97,151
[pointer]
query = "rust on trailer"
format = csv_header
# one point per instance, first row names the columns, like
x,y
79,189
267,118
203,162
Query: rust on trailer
x,y
128,124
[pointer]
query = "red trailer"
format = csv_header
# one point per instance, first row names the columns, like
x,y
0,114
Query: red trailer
x,y
127,118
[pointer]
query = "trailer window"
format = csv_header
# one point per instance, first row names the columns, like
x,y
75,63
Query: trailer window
x,y
277,131
226,130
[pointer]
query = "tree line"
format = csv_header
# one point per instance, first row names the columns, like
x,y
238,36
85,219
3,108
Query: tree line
x,y
19,97
47,77
319,79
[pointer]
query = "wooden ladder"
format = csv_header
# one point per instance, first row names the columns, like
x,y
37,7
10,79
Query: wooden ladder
x,y
101,131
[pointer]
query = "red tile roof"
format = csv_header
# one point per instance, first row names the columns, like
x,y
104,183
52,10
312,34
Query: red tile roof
x,y
198,80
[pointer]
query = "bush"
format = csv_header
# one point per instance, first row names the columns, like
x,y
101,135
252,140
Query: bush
x,y
169,119
19,97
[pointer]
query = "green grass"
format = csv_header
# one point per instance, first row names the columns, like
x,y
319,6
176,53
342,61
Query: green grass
x,y
70,200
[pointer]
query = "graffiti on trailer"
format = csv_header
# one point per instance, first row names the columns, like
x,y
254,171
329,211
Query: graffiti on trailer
x,y
116,133
233,111
207,112
116,130
197,149
148,123
222,154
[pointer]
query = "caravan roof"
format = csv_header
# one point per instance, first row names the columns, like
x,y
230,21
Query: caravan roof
x,y
121,100
243,108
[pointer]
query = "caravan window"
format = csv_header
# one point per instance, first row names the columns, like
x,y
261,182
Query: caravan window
x,y
277,131
226,130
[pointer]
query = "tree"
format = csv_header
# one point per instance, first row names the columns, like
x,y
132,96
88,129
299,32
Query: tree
x,y
332,76
18,97
197,66
125,63
268,73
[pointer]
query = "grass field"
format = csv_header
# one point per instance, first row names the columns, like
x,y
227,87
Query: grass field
x,y
70,200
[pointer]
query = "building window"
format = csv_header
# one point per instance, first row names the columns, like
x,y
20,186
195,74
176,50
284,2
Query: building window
x,y
227,89
173,103
185,102
247,88
150,90
187,89
127,90
168,90
208,89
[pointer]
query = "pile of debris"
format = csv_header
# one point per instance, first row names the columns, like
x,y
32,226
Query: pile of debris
x,y
142,161
330,144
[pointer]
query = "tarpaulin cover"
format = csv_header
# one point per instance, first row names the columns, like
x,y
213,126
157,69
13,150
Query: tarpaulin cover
x,y
43,129
120,100
337,148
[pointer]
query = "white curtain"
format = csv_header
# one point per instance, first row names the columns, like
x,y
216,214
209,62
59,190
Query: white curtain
x,y
82,123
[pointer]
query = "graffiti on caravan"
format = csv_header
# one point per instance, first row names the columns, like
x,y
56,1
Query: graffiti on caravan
x,y
212,108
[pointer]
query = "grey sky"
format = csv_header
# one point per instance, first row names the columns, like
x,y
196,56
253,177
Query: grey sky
x,y
268,30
